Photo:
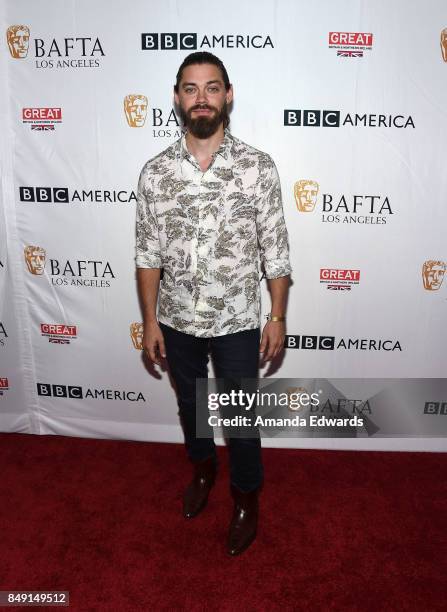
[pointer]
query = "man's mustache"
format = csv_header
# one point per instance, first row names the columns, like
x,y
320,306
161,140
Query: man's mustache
x,y
202,107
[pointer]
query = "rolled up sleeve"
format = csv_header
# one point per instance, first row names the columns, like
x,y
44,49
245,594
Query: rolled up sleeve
x,y
270,223
147,241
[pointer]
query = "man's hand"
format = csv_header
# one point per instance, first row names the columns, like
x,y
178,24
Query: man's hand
x,y
272,341
153,342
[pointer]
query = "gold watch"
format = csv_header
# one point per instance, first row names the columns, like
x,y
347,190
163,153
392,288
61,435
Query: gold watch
x,y
270,317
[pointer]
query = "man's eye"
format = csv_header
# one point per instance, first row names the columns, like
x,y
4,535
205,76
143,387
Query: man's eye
x,y
213,89
189,90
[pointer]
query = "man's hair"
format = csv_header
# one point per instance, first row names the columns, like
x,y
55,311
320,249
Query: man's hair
x,y
202,57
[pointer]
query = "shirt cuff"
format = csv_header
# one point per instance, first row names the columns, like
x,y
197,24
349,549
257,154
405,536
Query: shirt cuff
x,y
276,268
147,260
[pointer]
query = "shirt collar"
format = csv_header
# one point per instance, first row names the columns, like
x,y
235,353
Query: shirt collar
x,y
223,150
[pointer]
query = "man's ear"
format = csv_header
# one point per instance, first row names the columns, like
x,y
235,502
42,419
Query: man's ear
x,y
176,98
229,95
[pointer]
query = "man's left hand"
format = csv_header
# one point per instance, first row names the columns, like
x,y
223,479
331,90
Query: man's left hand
x,y
272,341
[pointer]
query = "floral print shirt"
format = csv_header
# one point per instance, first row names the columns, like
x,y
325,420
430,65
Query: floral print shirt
x,y
211,232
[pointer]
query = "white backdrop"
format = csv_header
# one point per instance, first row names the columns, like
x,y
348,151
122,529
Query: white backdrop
x,y
82,59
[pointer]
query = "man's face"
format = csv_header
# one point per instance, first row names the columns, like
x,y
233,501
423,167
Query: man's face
x,y
306,195
433,275
136,109
18,41
202,99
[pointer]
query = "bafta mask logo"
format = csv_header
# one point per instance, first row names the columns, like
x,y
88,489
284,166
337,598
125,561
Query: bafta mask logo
x,y
18,40
444,44
305,195
433,274
135,108
35,259
136,333
294,395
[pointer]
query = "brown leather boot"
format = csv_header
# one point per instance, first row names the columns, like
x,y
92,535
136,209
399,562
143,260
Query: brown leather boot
x,y
196,494
244,523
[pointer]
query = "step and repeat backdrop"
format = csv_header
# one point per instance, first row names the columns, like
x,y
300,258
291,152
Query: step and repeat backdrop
x,y
350,100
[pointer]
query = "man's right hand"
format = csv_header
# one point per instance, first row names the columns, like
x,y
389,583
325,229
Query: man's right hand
x,y
153,342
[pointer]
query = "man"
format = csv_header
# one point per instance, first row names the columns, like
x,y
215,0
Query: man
x,y
208,206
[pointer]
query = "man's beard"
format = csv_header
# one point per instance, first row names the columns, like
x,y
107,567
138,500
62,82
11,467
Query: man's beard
x,y
203,127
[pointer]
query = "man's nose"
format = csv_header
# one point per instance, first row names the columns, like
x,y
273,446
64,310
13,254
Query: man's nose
x,y
201,96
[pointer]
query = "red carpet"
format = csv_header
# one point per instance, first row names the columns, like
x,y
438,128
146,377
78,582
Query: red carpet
x,y
340,530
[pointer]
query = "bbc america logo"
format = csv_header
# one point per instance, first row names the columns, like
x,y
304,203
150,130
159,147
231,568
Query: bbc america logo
x,y
189,41
76,392
333,119
62,195
329,343
435,408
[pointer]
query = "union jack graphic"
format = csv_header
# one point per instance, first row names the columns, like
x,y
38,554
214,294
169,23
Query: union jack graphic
x,y
42,128
350,53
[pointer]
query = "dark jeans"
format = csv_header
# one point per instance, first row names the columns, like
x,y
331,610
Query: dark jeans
x,y
234,356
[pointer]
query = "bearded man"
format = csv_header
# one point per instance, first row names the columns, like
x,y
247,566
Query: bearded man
x,y
209,214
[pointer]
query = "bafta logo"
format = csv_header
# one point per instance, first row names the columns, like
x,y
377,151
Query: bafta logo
x,y
136,333
18,40
135,108
35,259
305,192
433,274
444,44
294,395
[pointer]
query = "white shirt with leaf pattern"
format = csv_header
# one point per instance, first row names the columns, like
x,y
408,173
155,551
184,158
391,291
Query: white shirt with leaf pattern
x,y
210,231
